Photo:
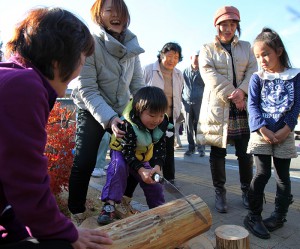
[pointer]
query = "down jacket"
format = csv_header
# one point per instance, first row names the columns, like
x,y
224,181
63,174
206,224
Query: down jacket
x,y
215,65
109,77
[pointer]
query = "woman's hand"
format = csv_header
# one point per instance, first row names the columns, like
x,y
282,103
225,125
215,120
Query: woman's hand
x,y
114,127
237,95
241,105
92,239
238,98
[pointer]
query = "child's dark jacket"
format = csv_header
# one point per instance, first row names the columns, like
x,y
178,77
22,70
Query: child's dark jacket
x,y
140,144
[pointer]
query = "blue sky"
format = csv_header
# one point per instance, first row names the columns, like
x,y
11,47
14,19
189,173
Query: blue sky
x,y
188,22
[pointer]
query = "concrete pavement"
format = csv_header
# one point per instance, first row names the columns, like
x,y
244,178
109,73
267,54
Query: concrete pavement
x,y
193,177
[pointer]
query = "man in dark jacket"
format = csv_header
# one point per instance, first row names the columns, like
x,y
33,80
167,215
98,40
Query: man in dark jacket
x,y
192,98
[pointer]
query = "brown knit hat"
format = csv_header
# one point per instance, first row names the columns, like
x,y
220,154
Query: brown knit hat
x,y
226,13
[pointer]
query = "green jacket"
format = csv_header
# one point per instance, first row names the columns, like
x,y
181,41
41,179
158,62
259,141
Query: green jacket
x,y
140,144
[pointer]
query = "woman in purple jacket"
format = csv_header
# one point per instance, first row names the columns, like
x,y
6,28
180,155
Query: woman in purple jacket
x,y
48,50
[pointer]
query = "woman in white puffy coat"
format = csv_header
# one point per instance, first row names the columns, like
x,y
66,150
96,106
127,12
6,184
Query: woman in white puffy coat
x,y
226,66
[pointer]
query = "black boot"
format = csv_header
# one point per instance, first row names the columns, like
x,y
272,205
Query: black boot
x,y
246,175
253,221
256,226
245,190
217,167
220,202
278,217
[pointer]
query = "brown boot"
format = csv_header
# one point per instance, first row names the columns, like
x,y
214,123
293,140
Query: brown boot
x,y
124,209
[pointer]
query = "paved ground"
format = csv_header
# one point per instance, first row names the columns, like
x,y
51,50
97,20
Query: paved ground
x,y
193,177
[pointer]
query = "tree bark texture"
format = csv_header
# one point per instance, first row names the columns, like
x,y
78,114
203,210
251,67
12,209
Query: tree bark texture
x,y
164,227
232,237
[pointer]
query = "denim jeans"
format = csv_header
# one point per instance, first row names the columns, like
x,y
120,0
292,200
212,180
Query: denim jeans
x,y
89,133
102,151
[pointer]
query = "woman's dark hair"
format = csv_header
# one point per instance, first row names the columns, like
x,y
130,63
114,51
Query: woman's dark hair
x,y
270,38
170,46
49,35
118,5
238,29
149,98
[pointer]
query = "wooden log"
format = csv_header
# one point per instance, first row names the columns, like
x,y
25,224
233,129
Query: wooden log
x,y
163,227
232,237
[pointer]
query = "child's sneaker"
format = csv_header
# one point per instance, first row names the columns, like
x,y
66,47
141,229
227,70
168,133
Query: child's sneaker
x,y
77,219
124,209
107,214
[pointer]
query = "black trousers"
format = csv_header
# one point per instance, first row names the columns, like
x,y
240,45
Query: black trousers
x,y
169,167
263,173
192,117
240,149
88,137
245,161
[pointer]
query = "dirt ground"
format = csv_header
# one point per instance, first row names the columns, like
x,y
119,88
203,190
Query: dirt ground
x,y
93,203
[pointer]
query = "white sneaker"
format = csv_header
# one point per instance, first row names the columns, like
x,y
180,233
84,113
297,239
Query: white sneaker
x,y
106,167
98,172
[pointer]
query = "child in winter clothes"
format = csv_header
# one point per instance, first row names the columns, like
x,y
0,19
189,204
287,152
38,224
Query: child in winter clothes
x,y
145,124
273,105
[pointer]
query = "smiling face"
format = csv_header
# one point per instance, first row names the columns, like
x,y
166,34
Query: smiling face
x,y
227,30
268,58
110,18
151,119
170,59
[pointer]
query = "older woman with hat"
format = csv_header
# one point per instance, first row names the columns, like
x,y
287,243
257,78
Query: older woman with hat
x,y
226,65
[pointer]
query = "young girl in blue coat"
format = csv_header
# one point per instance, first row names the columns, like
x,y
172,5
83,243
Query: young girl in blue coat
x,y
273,105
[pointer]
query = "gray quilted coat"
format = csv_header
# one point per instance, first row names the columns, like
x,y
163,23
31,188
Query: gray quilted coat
x,y
109,77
